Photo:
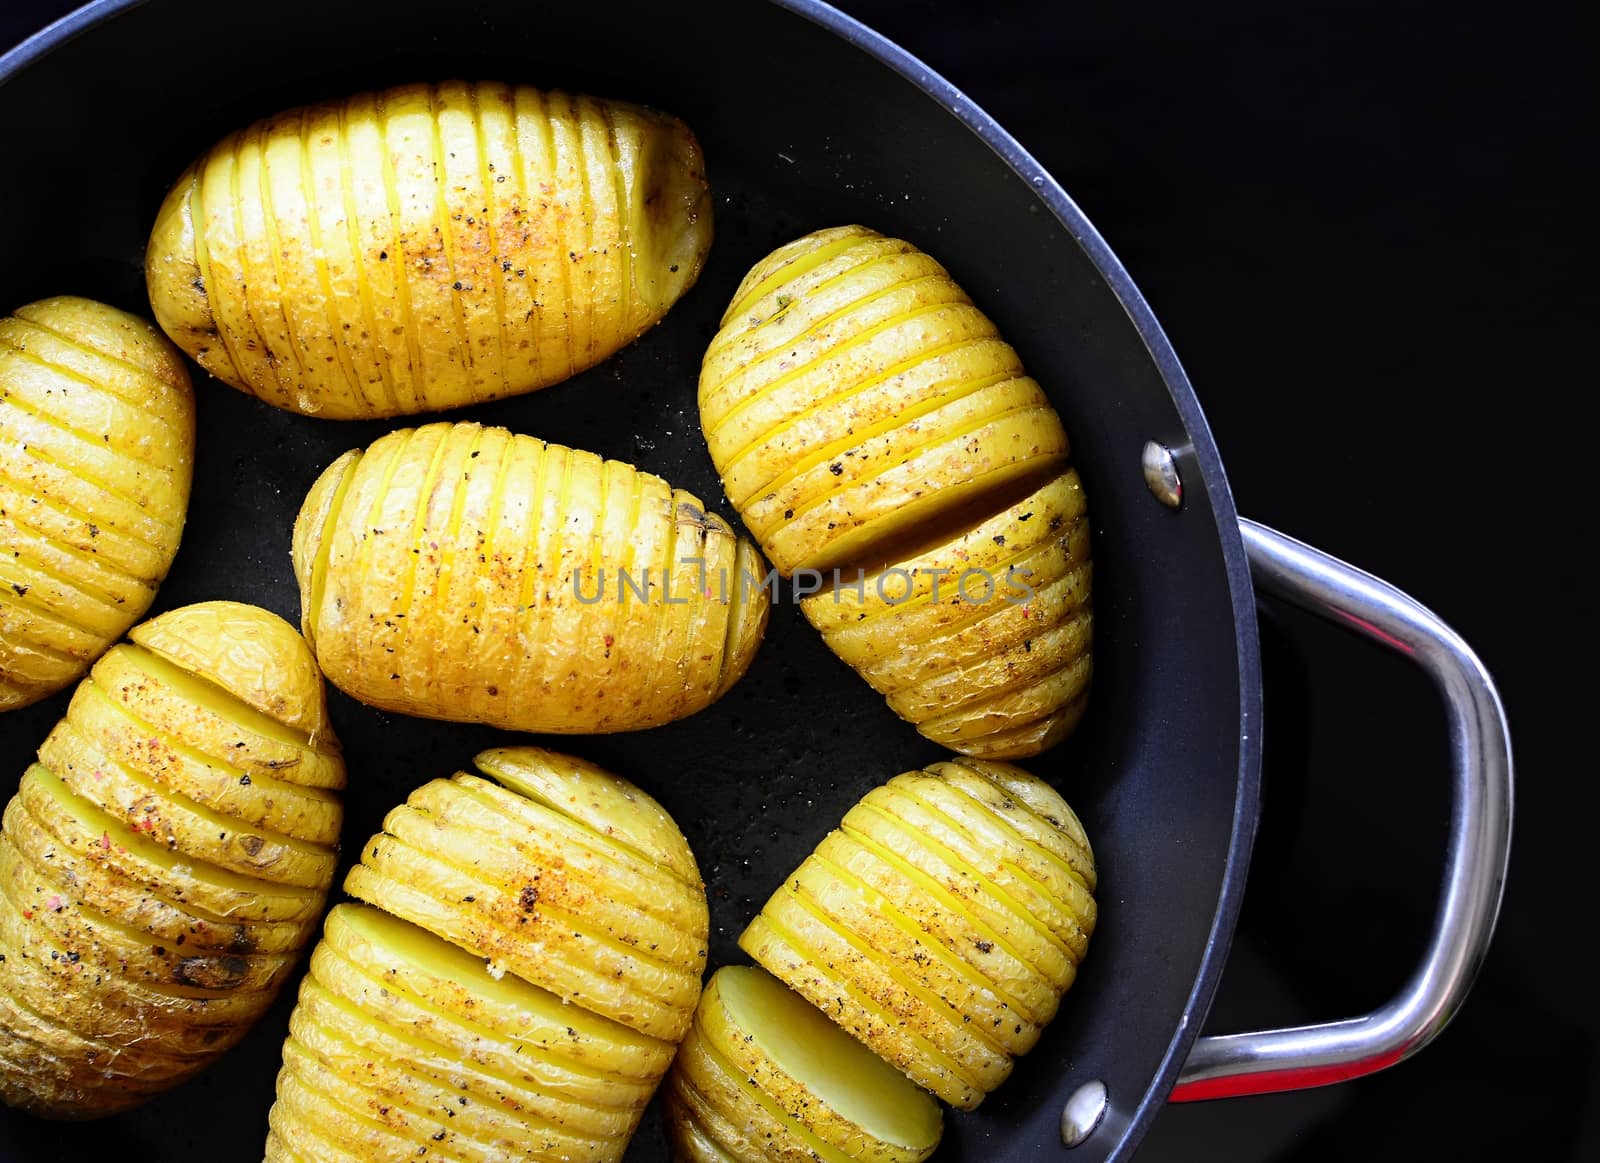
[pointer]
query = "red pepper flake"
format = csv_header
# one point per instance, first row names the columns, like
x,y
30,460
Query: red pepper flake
x,y
610,641
105,841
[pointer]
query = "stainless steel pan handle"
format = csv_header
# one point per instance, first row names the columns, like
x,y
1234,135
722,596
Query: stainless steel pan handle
x,y
1475,860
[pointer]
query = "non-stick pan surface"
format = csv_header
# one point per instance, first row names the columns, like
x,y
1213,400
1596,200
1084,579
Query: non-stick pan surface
x,y
807,121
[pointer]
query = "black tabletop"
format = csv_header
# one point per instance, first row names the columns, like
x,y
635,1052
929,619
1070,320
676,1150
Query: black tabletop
x,y
1358,222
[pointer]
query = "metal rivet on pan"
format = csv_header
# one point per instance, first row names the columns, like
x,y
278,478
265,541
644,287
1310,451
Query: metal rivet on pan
x,y
1161,474
1083,1112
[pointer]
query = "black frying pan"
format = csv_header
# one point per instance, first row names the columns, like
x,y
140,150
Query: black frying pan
x,y
808,120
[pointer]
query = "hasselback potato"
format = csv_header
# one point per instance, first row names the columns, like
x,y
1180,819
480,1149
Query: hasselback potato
x,y
854,393
96,454
467,573
428,246
528,956
164,862
873,428
763,1076
940,923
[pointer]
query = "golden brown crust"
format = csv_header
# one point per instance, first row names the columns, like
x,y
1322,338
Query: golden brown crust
x,y
471,574
428,246
868,420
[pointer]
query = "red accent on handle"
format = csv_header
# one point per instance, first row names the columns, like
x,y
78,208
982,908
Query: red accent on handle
x,y
1272,1082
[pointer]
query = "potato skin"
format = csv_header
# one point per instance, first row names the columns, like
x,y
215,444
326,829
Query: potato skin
x,y
499,995
466,573
981,638
428,246
854,393
96,457
554,900
869,422
147,915
940,923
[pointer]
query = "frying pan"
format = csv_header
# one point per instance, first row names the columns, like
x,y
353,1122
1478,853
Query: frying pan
x,y
835,125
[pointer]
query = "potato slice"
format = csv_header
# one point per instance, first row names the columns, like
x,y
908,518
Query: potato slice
x,y
511,926
518,989
940,923
190,1020
599,809
814,960
1059,909
96,457
858,887
338,1031
146,918
414,980
428,246
176,822
105,941
539,908
467,573
264,668
763,1075
155,921
143,866
252,798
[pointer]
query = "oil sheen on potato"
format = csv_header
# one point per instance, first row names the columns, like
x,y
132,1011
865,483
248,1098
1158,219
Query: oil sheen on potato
x,y
870,424
463,572
428,246
164,863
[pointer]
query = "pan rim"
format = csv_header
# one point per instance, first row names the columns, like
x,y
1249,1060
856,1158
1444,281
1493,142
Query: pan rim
x,y
1206,460
65,29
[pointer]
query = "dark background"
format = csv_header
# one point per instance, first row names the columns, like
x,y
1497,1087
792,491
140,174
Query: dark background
x,y
1359,225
